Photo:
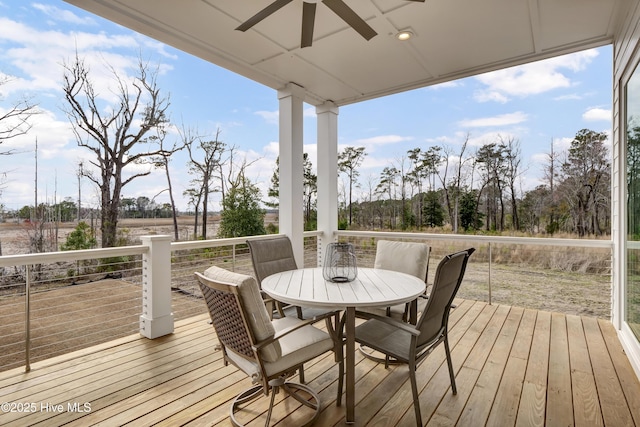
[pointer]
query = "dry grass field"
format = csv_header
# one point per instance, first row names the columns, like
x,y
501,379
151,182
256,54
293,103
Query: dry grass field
x,y
571,281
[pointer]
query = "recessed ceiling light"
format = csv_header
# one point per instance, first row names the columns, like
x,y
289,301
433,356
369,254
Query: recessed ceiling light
x,y
404,35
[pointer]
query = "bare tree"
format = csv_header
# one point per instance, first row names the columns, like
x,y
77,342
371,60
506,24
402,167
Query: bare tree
x,y
204,166
416,176
310,190
388,184
348,162
162,161
405,180
451,187
491,161
195,197
370,223
424,166
310,186
115,134
14,121
586,171
550,171
513,172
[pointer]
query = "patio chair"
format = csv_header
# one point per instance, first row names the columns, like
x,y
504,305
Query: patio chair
x,y
405,257
268,351
412,344
270,256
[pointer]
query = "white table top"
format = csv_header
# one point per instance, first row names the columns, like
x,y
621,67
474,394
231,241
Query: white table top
x,y
372,287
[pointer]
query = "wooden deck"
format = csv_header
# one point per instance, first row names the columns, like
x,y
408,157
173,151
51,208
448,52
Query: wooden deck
x,y
513,367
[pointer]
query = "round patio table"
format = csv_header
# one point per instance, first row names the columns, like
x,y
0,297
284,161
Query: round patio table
x,y
372,288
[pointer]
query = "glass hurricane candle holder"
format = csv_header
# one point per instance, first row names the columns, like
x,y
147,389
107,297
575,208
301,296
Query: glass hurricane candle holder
x,y
340,263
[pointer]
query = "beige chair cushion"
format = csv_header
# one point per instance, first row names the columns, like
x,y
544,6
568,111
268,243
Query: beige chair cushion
x,y
255,310
297,347
405,257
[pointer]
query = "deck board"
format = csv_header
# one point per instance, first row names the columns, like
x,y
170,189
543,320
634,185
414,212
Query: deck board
x,y
559,397
513,342
451,407
625,372
615,410
533,401
586,407
513,367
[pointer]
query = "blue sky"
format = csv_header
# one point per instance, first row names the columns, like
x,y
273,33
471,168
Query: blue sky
x,y
536,104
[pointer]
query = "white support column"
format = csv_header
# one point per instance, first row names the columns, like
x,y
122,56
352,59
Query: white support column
x,y
156,319
291,167
327,175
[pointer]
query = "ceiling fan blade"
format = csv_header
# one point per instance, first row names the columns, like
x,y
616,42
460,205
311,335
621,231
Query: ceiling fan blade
x,y
347,14
421,1
272,8
308,21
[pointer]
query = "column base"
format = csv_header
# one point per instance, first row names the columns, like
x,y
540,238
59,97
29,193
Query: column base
x,y
158,327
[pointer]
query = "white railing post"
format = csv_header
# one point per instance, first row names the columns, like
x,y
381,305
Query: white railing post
x,y
156,319
27,319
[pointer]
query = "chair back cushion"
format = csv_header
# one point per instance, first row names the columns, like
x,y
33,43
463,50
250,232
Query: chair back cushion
x,y
405,257
435,316
270,256
252,306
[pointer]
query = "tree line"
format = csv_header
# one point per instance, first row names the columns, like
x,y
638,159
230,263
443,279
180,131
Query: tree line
x,y
482,189
472,190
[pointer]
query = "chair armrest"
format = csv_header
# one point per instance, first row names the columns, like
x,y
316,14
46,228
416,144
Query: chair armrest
x,y
388,320
266,296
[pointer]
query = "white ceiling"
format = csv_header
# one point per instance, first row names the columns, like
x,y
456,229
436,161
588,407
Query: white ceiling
x,y
452,39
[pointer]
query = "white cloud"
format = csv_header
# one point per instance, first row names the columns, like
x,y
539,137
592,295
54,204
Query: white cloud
x,y
491,137
569,97
371,162
382,140
539,158
38,56
488,95
58,155
310,112
272,149
58,14
446,85
533,78
443,139
500,120
562,144
52,134
269,116
597,114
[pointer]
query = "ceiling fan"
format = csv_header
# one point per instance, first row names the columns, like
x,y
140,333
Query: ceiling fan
x,y
339,7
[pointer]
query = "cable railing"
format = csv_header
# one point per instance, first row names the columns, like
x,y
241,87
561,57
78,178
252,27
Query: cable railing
x,y
232,254
59,302
56,303
572,276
